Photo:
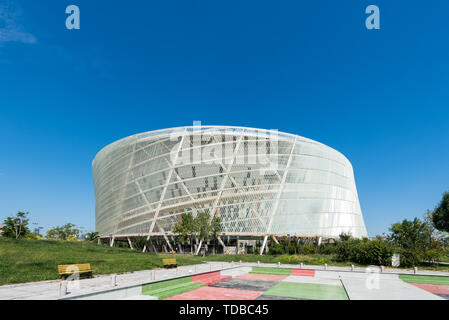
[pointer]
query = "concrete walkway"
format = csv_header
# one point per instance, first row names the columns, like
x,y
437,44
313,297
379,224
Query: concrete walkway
x,y
373,286
354,281
49,290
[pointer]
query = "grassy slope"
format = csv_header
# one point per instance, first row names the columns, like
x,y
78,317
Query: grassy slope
x,y
36,260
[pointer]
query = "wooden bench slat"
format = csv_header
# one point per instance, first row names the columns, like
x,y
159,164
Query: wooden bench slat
x,y
169,262
64,269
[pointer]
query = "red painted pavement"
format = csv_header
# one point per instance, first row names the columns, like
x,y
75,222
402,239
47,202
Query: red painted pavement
x,y
303,272
433,288
212,293
210,278
262,277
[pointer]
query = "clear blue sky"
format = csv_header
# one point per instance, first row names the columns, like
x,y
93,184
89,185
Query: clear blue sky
x,y
381,97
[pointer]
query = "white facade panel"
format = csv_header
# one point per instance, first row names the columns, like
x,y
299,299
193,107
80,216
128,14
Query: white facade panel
x,y
258,181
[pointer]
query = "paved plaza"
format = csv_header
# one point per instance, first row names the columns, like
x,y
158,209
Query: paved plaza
x,y
244,281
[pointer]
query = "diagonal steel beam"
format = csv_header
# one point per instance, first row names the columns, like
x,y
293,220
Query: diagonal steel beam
x,y
164,190
223,182
281,189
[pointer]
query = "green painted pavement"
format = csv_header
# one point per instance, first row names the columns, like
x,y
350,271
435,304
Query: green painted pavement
x,y
167,283
275,271
165,289
173,291
311,291
441,280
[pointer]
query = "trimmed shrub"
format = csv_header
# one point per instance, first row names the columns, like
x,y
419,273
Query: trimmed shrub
x,y
308,249
328,248
409,258
275,248
376,252
433,255
290,249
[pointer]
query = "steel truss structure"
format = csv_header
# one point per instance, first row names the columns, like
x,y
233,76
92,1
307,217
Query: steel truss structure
x,y
260,183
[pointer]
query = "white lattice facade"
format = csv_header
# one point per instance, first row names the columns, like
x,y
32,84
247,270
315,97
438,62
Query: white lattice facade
x,y
143,183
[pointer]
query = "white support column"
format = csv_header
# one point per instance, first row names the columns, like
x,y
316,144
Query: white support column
x,y
263,244
319,241
145,246
237,248
222,243
166,239
199,247
274,239
112,241
154,248
130,243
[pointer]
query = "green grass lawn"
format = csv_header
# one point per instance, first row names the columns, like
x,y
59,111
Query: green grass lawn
x,y
36,260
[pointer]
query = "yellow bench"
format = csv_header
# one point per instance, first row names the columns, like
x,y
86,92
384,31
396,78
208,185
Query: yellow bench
x,y
169,263
69,269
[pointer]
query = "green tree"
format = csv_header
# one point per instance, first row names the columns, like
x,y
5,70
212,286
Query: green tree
x,y
140,242
185,229
205,227
64,232
91,236
216,228
440,216
411,235
202,226
428,219
344,236
16,226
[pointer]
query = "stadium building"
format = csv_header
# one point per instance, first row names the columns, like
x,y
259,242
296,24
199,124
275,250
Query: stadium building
x,y
263,184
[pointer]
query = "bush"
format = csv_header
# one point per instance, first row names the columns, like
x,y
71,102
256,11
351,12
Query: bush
x,y
433,255
31,236
139,242
290,249
308,248
376,252
275,248
409,258
346,251
328,248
